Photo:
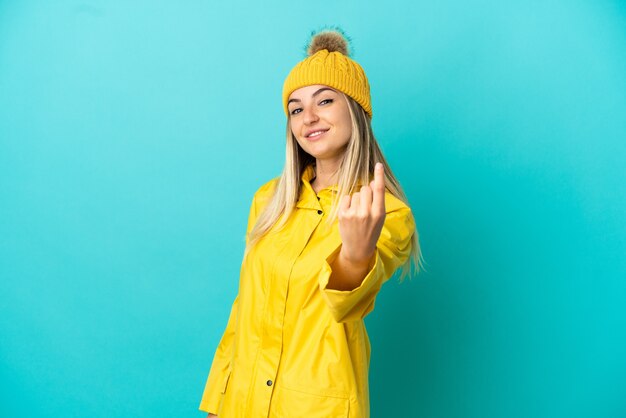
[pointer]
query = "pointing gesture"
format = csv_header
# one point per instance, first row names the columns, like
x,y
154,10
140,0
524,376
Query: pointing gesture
x,y
361,218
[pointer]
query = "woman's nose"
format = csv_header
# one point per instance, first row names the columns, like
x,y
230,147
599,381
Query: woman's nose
x,y
310,115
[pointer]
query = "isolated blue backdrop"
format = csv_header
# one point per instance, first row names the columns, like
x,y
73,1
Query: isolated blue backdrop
x,y
134,133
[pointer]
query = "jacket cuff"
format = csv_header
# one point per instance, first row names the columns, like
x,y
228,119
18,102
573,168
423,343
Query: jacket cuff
x,y
355,304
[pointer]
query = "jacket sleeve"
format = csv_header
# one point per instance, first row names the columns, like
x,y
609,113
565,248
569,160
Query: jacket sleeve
x,y
220,368
392,250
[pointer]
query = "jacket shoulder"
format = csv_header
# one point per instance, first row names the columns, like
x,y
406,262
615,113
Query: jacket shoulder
x,y
264,193
393,204
266,190
260,200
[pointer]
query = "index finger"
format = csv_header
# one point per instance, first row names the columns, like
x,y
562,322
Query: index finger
x,y
378,201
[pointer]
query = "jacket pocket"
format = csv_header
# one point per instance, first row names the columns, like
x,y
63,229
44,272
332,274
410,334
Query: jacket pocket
x,y
296,403
225,382
223,396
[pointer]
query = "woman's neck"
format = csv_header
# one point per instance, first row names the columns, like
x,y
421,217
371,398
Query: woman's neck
x,y
325,174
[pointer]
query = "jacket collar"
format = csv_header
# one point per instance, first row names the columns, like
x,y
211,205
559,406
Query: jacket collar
x,y
308,197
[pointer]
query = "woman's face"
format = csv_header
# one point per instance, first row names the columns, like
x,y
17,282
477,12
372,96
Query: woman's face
x,y
320,120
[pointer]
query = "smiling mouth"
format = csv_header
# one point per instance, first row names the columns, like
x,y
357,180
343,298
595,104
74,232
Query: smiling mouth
x,y
316,134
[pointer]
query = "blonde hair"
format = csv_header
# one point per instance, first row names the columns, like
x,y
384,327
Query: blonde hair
x,y
357,166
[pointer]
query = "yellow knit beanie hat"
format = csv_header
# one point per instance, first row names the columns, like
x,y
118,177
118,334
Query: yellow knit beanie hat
x,y
329,63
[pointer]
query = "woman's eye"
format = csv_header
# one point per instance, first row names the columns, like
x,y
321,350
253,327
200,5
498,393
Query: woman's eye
x,y
294,111
326,100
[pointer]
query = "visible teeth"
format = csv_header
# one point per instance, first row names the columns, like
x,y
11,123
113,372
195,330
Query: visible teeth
x,y
316,133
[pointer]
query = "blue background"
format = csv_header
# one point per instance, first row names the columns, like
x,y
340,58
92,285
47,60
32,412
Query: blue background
x,y
134,133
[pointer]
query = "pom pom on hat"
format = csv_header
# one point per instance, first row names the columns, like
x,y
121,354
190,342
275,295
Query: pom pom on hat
x,y
331,39
328,62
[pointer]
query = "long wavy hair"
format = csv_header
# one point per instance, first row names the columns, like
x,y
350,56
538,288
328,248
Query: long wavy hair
x,y
357,167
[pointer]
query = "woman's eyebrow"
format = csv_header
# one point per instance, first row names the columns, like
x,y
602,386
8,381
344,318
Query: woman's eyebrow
x,y
313,95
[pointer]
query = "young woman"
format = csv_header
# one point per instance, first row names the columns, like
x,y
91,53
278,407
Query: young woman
x,y
321,240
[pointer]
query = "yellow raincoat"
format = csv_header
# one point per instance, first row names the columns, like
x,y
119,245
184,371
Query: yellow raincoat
x,y
292,347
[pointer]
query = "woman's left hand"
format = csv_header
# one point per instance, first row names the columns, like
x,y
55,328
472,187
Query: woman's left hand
x,y
361,218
